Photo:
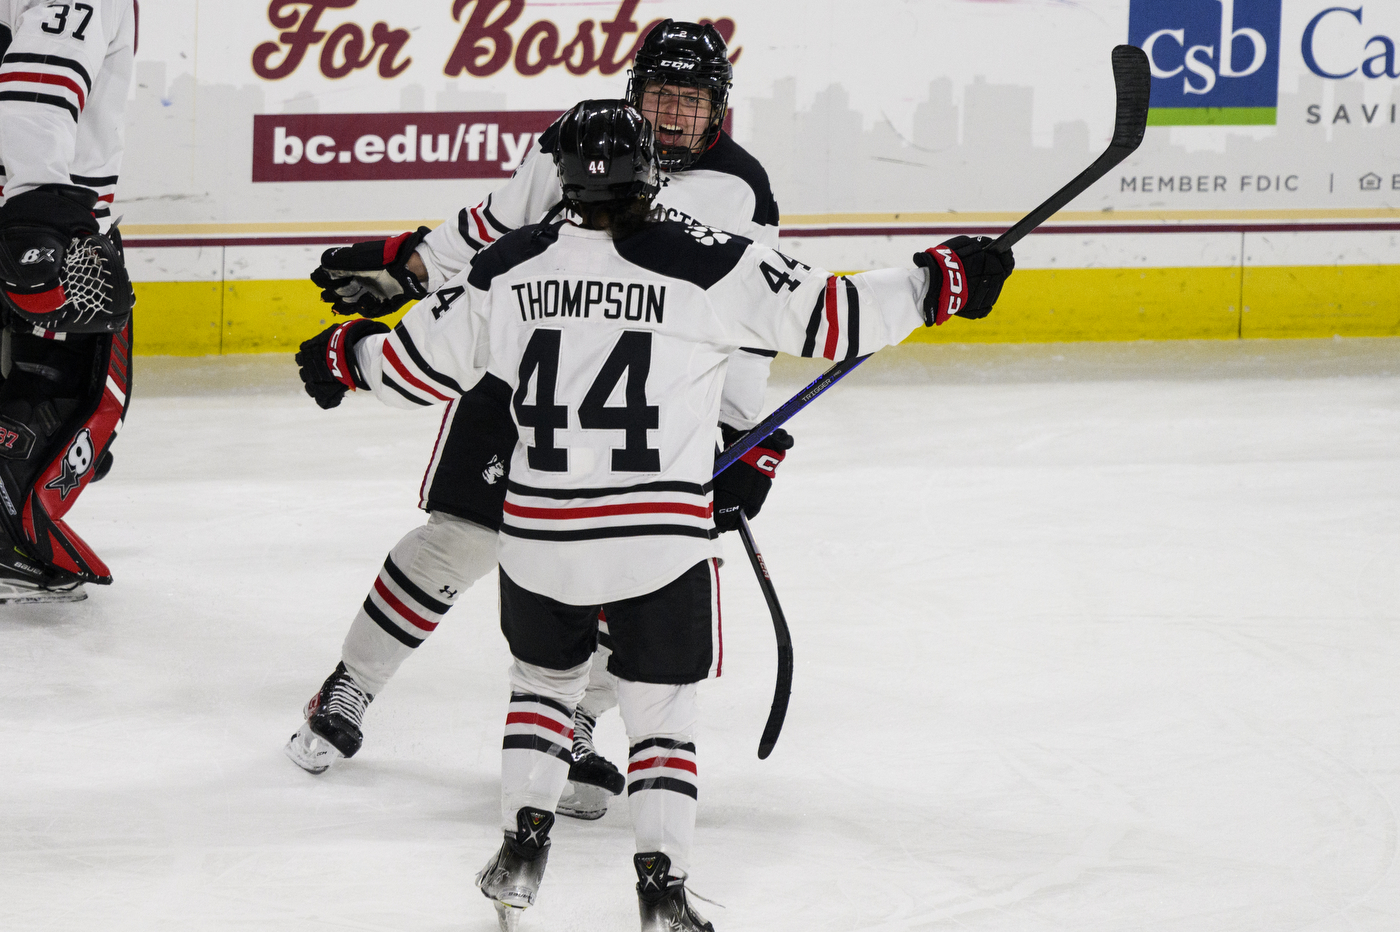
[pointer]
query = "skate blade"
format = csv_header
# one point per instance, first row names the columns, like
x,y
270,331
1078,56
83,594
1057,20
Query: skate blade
x,y
583,801
310,751
42,597
507,917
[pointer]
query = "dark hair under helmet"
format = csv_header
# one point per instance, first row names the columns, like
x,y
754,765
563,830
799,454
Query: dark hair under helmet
x,y
605,153
687,55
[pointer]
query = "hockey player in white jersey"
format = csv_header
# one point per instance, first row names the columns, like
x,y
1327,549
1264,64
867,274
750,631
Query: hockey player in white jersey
x,y
65,71
680,80
610,336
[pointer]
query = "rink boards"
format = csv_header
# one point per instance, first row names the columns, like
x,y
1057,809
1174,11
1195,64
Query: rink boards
x,y
242,288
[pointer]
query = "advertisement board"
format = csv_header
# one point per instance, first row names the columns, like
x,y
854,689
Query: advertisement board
x,y
881,125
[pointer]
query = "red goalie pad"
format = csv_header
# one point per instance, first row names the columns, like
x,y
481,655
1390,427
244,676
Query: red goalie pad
x,y
64,479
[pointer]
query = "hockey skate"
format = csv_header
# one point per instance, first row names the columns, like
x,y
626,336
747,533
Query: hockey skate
x,y
18,587
661,898
511,879
593,780
332,727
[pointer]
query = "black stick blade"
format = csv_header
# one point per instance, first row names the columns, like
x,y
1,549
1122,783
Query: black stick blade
x,y
1132,74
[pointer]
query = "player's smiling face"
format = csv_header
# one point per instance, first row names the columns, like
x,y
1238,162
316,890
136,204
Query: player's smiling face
x,y
679,115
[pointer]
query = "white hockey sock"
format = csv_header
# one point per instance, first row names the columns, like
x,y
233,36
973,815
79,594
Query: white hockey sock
x,y
662,780
537,749
601,694
420,580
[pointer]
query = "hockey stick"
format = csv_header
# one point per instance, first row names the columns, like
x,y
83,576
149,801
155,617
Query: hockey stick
x,y
783,688
1132,76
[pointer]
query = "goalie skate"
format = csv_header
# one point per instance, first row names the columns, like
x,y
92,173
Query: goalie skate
x,y
19,589
511,879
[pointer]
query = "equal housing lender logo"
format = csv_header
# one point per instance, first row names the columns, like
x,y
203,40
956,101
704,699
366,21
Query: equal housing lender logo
x,y
1214,62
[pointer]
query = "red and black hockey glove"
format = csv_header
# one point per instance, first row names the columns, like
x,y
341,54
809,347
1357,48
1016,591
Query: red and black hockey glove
x,y
370,279
965,278
36,228
744,485
327,363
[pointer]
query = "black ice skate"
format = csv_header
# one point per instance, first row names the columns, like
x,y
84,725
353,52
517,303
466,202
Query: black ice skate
x,y
23,581
593,779
511,879
661,897
332,727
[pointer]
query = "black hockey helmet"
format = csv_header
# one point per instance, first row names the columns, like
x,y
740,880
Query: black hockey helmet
x,y
605,153
687,55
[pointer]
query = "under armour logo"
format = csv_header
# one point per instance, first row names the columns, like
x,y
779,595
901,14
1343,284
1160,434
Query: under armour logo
x,y
37,255
448,591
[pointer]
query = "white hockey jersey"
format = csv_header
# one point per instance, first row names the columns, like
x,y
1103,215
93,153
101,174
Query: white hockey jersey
x,y
613,355
64,78
726,188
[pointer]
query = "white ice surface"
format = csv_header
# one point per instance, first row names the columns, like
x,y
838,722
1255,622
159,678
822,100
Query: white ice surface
x,y
1087,639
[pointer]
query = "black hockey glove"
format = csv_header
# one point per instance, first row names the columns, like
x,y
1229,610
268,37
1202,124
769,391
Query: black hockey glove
x,y
965,278
327,364
36,228
744,485
370,279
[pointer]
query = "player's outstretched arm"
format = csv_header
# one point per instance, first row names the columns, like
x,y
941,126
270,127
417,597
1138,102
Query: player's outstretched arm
x,y
811,312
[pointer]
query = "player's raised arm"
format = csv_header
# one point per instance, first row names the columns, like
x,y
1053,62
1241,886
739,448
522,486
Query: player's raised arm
x,y
532,191
377,277
810,312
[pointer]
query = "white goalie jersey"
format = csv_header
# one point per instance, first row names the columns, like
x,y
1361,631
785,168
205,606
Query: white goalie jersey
x,y
726,188
613,355
64,77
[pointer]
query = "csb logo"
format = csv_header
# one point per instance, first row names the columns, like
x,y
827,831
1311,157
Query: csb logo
x,y
1214,62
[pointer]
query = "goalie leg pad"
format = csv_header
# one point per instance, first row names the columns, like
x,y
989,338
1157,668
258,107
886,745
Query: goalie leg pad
x,y
61,406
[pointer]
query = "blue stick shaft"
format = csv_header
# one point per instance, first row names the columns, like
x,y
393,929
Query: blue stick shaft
x,y
785,412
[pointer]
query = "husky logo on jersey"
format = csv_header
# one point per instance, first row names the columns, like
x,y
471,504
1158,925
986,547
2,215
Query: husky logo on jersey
x,y
708,236
36,255
494,471
76,463
596,167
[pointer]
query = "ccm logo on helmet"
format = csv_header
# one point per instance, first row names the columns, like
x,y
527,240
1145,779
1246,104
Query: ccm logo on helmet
x,y
678,65
596,167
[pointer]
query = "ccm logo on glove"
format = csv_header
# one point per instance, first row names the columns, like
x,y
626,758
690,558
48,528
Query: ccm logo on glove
x,y
965,278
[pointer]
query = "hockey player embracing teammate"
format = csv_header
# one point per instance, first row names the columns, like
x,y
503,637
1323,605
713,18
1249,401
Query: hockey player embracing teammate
x,y
610,336
680,81
65,301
